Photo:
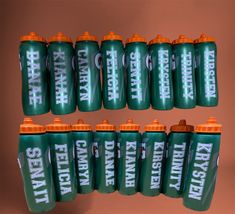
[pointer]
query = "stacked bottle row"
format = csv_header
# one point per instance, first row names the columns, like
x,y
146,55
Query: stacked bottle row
x,y
162,74
70,159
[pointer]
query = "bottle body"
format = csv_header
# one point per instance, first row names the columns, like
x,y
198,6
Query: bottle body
x,y
114,89
206,74
35,93
184,76
62,87
176,159
136,54
105,162
62,159
88,76
161,76
36,171
128,162
152,163
84,161
202,171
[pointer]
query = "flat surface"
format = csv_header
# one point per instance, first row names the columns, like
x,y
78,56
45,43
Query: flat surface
x,y
125,17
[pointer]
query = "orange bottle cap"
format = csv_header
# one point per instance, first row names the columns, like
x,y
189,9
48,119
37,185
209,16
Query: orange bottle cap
x,y
32,36
135,38
86,37
58,126
159,39
60,37
105,126
81,126
211,126
182,127
28,127
204,38
155,126
182,39
112,36
129,126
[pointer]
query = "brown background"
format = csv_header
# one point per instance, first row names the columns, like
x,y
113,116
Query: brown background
x,y
149,17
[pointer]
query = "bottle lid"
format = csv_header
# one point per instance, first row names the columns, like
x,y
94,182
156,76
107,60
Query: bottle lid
x,y
129,126
32,36
60,37
182,39
159,39
28,127
155,126
112,36
182,127
81,126
135,38
105,126
86,37
58,126
211,126
204,38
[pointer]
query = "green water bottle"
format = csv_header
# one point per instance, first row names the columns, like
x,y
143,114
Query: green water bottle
x,y
129,140
62,159
160,52
105,157
202,166
176,159
84,159
62,87
152,159
35,166
114,89
206,71
183,73
136,56
88,61
35,94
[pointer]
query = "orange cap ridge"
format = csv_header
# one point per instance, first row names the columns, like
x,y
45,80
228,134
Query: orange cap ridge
x,y
182,127
112,36
155,126
32,36
28,127
86,37
182,39
204,38
135,38
159,39
60,37
81,126
211,126
105,126
129,126
58,126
